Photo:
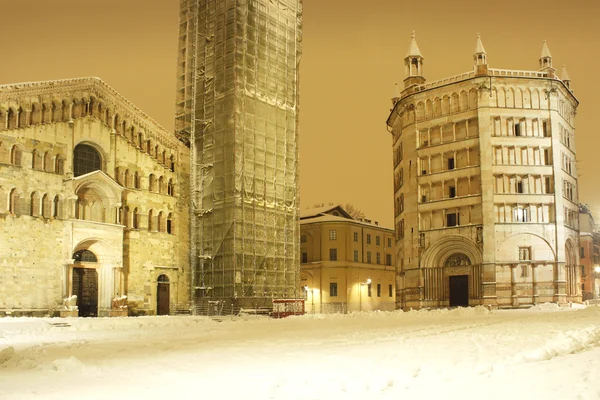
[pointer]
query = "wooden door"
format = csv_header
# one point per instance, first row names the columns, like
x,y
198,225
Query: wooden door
x,y
85,287
459,291
162,298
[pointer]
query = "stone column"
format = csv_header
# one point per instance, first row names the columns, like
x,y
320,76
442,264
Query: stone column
x,y
534,282
71,113
105,289
560,283
513,285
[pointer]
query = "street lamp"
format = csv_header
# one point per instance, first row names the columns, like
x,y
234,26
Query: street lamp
x,y
360,285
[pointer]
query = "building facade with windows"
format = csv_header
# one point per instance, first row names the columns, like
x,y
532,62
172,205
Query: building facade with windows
x,y
347,265
93,203
485,186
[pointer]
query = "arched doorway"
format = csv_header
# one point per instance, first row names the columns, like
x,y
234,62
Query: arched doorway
x,y
458,284
162,295
85,283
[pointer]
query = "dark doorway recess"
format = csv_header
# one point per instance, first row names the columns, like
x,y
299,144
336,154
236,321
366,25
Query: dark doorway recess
x,y
459,291
162,296
85,287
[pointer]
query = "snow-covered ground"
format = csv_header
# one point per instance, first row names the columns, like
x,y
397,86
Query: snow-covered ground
x,y
540,353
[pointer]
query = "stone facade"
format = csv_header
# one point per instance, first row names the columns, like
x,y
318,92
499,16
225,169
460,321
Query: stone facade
x,y
347,265
589,253
93,198
485,186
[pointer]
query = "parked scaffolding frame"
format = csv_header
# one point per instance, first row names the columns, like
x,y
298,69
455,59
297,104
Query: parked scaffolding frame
x,y
237,107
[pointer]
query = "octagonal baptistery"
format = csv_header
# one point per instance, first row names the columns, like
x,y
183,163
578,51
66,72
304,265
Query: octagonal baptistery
x,y
93,204
485,186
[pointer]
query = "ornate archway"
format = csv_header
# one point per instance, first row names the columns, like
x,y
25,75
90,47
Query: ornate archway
x,y
451,272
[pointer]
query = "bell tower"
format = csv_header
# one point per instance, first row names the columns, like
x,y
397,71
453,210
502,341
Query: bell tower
x,y
413,64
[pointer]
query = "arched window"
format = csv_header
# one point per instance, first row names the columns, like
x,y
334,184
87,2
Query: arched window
x,y
13,117
85,159
95,109
172,163
163,279
15,156
163,158
151,183
155,154
149,147
136,223
59,165
57,111
46,113
171,188
36,160
161,185
34,209
136,180
48,162
170,227
13,203
46,206
151,227
140,140
127,179
36,114
66,108
84,256
57,211
161,222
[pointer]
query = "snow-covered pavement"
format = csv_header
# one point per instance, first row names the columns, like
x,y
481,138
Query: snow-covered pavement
x,y
544,352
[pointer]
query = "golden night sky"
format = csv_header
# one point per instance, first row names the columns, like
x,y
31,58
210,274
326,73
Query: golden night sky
x,y
353,55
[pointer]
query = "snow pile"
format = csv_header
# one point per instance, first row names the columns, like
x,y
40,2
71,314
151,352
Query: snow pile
x,y
563,343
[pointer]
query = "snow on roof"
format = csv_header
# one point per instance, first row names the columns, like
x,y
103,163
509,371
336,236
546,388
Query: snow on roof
x,y
333,218
313,212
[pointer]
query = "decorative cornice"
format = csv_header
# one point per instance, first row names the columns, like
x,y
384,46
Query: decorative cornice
x,y
27,93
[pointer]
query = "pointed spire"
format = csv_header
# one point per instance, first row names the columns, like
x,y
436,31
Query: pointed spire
x,y
413,49
546,60
564,76
545,51
480,57
479,46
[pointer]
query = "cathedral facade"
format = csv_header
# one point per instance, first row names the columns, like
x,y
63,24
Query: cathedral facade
x,y
93,203
485,186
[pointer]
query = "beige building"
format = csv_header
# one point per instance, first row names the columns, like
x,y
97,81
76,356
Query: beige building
x,y
93,203
347,265
485,186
